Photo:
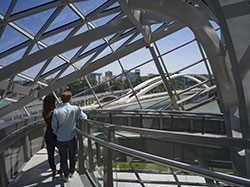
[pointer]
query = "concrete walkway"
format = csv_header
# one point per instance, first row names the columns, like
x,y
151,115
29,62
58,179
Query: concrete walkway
x,y
37,173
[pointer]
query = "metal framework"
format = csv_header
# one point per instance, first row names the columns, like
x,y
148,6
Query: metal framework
x,y
129,24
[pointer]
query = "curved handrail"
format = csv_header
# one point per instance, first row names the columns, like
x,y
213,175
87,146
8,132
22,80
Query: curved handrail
x,y
234,180
180,136
162,112
19,133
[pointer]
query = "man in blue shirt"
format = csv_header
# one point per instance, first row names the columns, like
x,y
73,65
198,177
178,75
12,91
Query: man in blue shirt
x,y
63,125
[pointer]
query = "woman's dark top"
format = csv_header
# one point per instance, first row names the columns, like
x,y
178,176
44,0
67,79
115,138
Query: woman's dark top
x,y
50,137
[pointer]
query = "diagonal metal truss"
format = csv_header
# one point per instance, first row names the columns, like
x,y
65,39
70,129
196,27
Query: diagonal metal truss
x,y
120,26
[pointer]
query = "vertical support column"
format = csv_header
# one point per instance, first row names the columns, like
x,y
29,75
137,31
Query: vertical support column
x,y
108,171
81,168
165,81
236,113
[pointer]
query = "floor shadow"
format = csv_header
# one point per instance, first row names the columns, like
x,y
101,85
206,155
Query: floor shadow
x,y
39,175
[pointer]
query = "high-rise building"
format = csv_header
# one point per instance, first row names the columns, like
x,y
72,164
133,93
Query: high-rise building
x,y
133,75
109,74
96,76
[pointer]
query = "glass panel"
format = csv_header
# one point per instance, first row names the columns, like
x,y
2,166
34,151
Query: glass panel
x,y
83,29
82,61
35,49
104,20
10,38
88,6
136,38
24,5
93,153
183,57
117,44
129,170
34,23
113,67
3,103
136,58
105,52
71,53
154,27
66,16
93,45
56,38
176,39
114,5
33,71
69,70
54,63
12,57
4,6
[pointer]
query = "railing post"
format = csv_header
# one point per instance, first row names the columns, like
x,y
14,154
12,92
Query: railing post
x,y
172,122
110,117
81,168
3,172
98,154
141,121
90,152
26,148
202,125
108,170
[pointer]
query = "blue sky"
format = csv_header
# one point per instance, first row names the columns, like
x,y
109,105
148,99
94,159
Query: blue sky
x,y
178,59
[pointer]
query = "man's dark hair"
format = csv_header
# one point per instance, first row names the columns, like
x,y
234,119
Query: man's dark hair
x,y
66,96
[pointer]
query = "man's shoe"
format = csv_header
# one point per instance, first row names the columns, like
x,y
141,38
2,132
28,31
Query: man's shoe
x,y
71,175
65,179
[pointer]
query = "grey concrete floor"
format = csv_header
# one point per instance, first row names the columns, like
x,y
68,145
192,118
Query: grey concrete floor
x,y
37,173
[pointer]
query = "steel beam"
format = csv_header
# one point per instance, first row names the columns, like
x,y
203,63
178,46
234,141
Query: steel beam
x,y
62,47
8,13
76,23
36,10
16,88
135,17
163,77
158,34
109,59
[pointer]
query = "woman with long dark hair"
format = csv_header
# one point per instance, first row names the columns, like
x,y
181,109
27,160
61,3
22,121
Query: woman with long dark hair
x,y
49,104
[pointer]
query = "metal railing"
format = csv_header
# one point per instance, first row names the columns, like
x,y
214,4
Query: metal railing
x,y
19,135
164,120
109,147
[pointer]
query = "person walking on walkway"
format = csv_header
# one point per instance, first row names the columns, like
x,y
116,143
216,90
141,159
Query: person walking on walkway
x,y
63,125
49,104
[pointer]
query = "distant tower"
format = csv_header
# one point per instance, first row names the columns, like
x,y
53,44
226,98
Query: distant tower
x,y
109,74
137,72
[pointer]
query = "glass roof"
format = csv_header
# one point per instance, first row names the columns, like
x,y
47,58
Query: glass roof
x,y
34,26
